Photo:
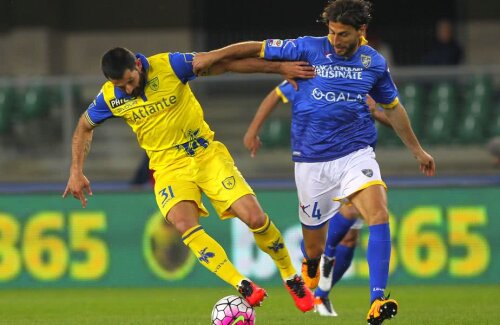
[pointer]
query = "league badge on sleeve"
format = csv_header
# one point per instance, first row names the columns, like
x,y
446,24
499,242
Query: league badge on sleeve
x,y
366,60
275,43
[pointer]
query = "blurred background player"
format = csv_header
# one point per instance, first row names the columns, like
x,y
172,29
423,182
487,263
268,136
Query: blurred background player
x,y
142,174
153,96
493,146
332,133
342,252
445,50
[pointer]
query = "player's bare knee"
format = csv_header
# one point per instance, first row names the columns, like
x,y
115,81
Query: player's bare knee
x,y
349,212
256,220
378,217
350,239
183,225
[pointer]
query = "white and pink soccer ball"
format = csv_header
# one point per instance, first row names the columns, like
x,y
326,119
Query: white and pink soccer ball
x,y
233,310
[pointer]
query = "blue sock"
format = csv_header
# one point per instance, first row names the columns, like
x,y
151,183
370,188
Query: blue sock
x,y
378,255
303,249
338,227
320,293
343,259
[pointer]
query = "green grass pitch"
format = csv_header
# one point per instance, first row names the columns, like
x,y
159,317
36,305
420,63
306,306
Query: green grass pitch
x,y
439,304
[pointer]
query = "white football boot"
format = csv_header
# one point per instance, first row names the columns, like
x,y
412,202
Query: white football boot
x,y
323,307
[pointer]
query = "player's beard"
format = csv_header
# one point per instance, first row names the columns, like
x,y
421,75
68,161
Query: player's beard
x,y
349,50
142,84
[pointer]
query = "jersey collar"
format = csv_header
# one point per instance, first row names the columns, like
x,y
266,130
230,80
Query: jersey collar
x,y
144,61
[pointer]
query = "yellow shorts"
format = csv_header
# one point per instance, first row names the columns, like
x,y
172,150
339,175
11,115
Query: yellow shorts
x,y
211,171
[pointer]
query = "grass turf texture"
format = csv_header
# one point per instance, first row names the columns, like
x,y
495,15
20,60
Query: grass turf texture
x,y
467,304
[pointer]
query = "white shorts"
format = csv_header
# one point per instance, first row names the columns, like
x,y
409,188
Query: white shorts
x,y
322,186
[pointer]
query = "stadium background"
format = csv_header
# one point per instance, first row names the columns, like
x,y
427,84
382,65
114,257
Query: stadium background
x,y
445,229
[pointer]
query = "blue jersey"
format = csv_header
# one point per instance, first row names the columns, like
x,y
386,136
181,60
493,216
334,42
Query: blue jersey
x,y
330,118
286,92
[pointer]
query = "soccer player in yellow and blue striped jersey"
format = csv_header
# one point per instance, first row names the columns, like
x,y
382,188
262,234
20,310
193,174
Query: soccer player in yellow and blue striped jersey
x,y
153,96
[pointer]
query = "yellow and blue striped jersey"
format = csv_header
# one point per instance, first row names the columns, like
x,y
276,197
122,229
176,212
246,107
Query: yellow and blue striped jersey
x,y
167,118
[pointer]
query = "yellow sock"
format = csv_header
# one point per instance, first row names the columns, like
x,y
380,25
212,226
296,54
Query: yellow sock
x,y
211,255
269,240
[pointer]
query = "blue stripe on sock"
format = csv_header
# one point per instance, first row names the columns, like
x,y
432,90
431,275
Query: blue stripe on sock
x,y
303,249
320,293
200,227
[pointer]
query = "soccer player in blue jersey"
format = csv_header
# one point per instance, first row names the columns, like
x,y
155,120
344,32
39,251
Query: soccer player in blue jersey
x,y
332,133
338,256
153,96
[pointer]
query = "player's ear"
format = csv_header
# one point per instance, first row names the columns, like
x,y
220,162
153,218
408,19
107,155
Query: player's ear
x,y
138,64
362,30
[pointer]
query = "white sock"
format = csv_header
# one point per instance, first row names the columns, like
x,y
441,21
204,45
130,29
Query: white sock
x,y
325,280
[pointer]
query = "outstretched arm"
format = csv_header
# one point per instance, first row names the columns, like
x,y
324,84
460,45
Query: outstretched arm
x,y
203,61
251,139
77,183
401,124
288,69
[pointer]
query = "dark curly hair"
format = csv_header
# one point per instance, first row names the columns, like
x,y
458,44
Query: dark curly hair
x,y
348,12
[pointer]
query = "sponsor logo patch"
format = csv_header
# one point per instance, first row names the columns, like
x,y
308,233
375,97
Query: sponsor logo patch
x,y
115,102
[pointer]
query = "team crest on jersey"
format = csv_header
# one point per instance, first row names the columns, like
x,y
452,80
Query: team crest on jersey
x,y
275,43
366,60
154,83
229,182
367,172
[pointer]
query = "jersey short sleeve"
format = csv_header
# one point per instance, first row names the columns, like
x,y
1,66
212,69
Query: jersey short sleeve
x,y
276,49
384,91
286,92
98,111
182,64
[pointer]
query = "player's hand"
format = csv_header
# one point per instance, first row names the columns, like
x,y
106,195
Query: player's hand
x,y
252,143
77,184
427,165
202,62
372,105
291,70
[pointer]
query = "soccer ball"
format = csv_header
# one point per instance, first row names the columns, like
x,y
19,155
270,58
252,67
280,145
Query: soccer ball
x,y
233,310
